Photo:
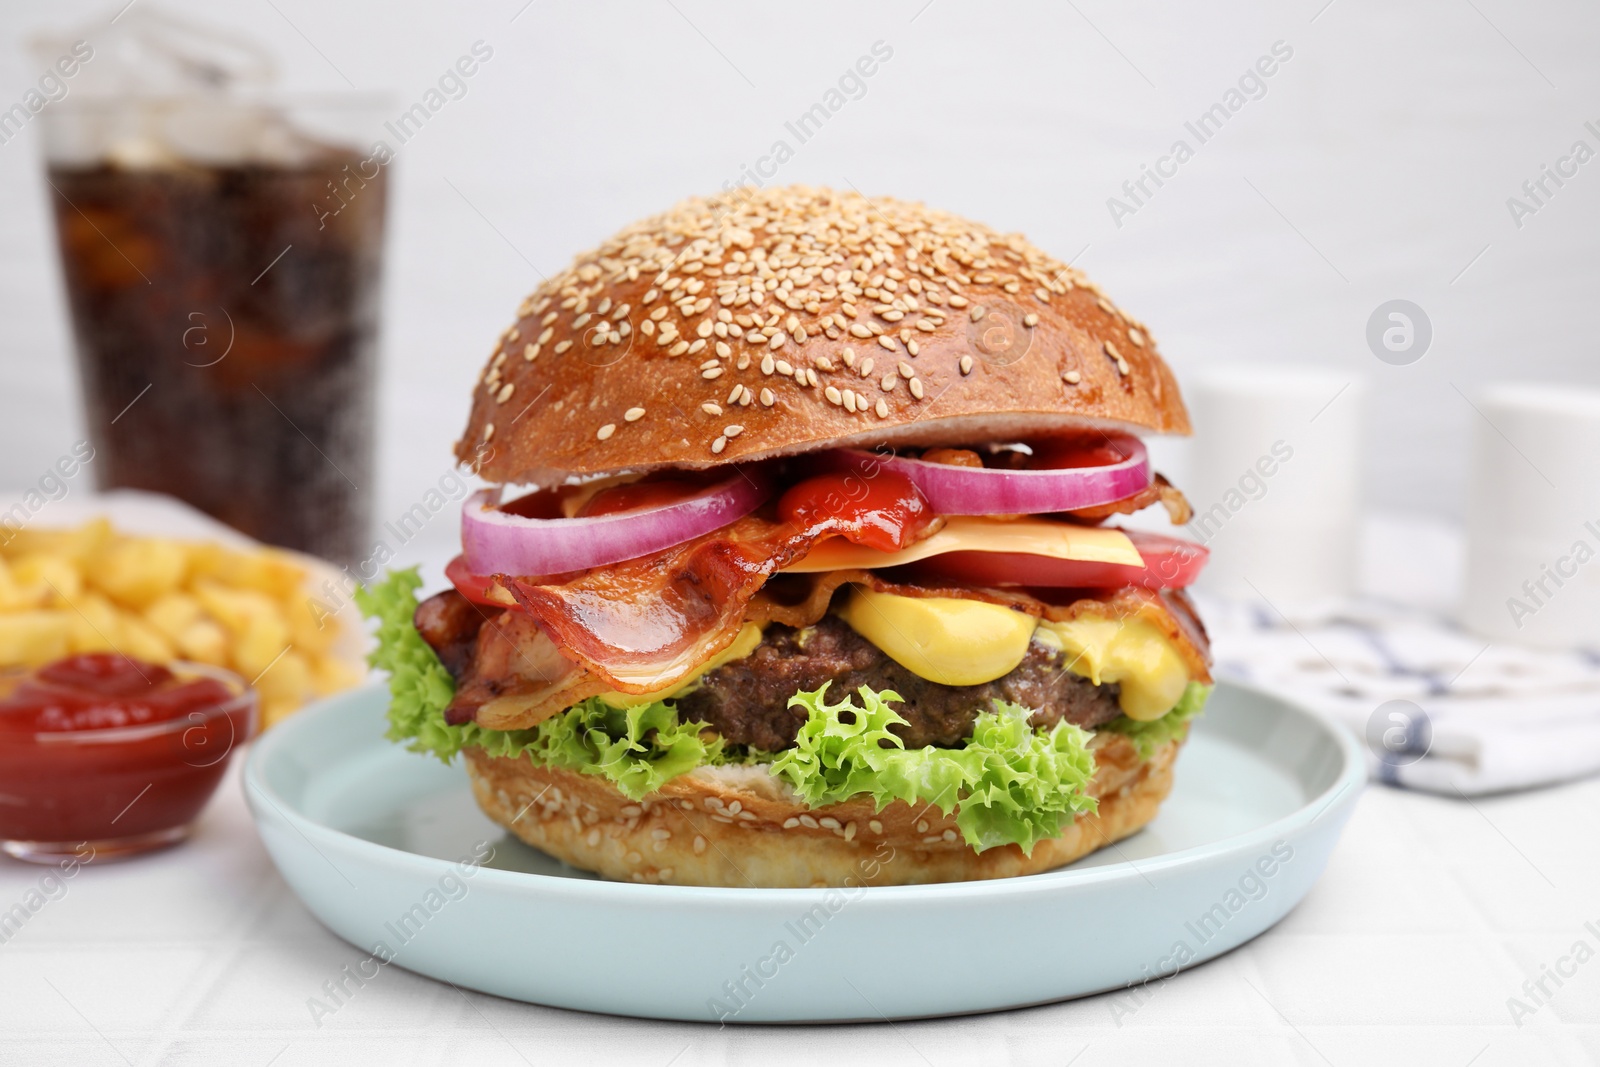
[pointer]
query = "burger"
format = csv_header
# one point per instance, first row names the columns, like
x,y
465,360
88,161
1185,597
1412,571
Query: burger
x,y
798,564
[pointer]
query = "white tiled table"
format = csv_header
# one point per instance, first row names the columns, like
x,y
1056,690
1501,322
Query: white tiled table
x,y
1431,915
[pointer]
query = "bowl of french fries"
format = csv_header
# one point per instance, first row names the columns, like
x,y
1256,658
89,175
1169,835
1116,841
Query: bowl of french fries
x,y
253,610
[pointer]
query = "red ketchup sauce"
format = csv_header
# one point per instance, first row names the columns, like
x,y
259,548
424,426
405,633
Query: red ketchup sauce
x,y
110,750
867,504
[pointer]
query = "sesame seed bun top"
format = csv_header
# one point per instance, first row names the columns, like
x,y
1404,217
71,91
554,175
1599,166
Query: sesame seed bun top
x,y
771,321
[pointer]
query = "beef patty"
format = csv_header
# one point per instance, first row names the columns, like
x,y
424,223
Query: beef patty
x,y
746,701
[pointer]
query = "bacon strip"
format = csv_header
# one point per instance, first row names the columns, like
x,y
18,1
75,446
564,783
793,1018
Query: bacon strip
x,y
1158,491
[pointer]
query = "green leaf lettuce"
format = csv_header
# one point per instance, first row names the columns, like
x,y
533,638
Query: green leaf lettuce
x,y
1010,783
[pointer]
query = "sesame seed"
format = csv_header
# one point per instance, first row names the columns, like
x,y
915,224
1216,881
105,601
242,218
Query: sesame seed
x,y
696,347
505,392
530,352
704,329
718,445
859,330
711,407
966,364
777,340
887,342
888,382
785,368
606,431
562,346
916,388
833,395
678,349
1071,377
768,364
911,346
850,400
865,369
906,370
1111,350
875,826
713,373
724,349
767,398
882,409
1136,337
1122,366
488,431
732,431
1030,319
978,312
633,414
581,321
546,334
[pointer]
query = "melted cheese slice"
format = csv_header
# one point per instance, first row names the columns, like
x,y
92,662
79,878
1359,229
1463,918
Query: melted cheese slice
x,y
968,642
943,639
971,533
1131,652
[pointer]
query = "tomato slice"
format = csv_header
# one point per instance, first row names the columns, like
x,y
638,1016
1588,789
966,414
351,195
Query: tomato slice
x,y
1169,563
475,587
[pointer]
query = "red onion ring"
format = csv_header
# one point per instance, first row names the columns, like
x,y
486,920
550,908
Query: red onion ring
x,y
952,490
495,542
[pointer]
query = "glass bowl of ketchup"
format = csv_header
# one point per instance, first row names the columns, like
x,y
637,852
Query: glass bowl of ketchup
x,y
103,750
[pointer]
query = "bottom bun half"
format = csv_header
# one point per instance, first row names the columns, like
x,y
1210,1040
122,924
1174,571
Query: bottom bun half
x,y
740,826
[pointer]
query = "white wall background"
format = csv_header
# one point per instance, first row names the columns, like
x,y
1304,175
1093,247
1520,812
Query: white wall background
x,y
1381,158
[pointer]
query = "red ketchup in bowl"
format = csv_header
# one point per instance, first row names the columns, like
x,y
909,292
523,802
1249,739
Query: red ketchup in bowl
x,y
110,751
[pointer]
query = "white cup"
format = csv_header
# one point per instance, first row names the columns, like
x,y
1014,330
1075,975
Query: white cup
x,y
1533,516
1275,480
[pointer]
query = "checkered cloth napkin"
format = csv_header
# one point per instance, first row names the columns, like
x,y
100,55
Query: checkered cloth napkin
x,y
1439,708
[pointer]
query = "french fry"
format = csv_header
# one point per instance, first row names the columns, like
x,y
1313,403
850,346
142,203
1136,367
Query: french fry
x,y
330,675
96,625
173,614
143,641
34,638
47,579
79,545
137,571
12,596
204,642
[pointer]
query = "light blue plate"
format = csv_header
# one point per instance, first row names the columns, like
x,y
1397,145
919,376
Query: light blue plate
x,y
372,838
